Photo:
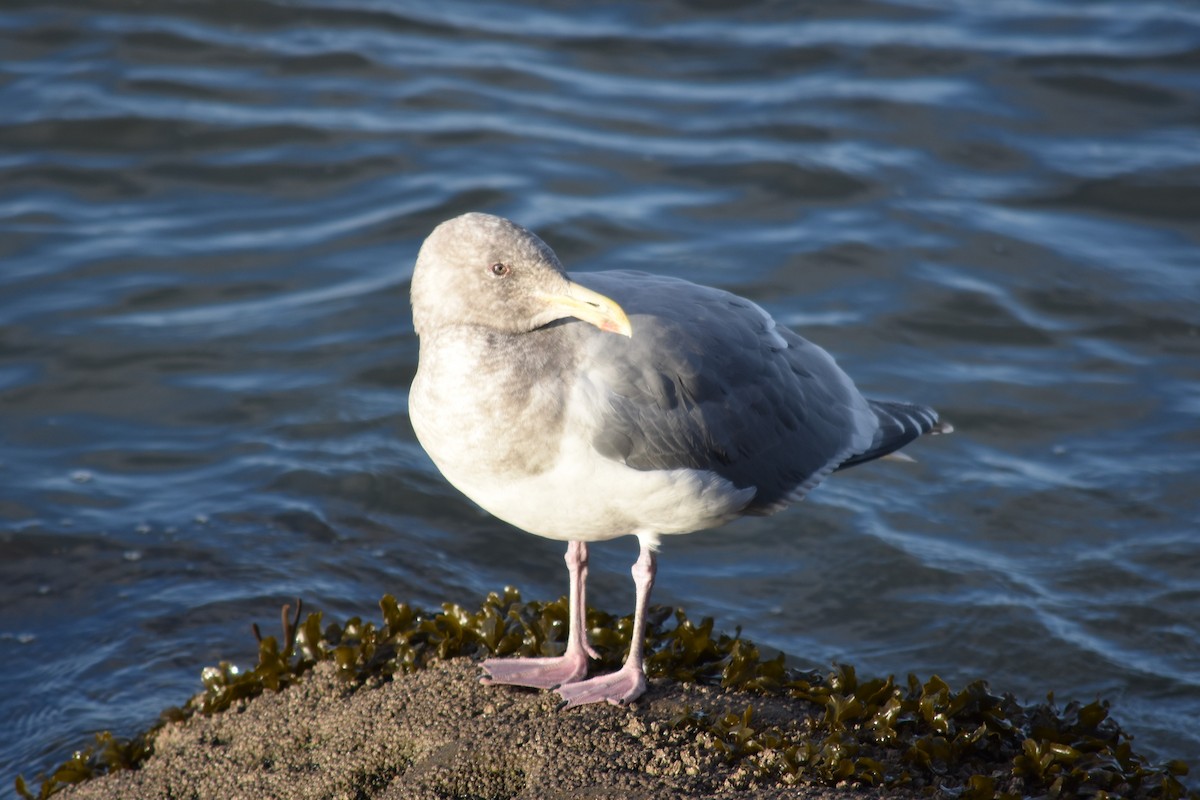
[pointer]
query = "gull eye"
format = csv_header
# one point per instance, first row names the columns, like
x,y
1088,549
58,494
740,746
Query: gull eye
x,y
500,270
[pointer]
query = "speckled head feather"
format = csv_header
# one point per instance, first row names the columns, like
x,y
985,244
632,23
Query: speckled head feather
x,y
454,281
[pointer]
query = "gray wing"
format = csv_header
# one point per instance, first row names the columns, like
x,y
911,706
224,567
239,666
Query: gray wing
x,y
708,381
898,424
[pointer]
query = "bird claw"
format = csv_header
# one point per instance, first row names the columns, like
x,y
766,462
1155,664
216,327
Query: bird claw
x,y
618,688
537,673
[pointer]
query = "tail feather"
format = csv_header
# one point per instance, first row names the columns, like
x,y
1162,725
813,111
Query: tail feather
x,y
899,424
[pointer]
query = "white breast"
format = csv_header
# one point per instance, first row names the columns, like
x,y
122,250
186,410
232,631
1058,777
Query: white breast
x,y
549,482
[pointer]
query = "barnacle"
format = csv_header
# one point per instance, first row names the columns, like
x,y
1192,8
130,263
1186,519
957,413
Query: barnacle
x,y
970,744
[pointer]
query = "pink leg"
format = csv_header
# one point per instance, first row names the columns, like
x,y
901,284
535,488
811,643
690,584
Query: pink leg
x,y
578,609
629,682
571,666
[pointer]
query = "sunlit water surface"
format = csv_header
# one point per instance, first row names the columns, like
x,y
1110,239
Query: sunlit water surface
x,y
208,218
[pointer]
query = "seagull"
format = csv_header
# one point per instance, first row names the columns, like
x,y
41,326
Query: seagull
x,y
619,403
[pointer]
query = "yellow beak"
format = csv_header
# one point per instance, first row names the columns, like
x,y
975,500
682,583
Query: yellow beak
x,y
590,307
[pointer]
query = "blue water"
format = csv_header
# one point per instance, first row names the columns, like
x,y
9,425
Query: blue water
x,y
208,218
